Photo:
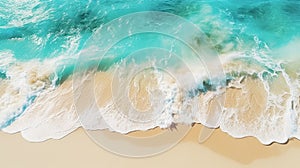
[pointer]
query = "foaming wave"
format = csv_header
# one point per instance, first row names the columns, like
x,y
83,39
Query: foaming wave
x,y
52,115
23,83
254,103
263,75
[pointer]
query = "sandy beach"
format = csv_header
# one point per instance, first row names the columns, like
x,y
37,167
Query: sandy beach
x,y
77,150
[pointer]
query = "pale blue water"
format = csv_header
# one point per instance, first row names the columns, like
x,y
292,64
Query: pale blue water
x,y
45,30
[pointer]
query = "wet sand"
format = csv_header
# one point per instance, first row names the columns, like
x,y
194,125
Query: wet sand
x,y
220,150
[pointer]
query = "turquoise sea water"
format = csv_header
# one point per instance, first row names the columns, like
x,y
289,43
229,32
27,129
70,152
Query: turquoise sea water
x,y
44,37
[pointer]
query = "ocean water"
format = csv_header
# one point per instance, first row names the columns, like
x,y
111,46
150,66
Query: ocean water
x,y
42,42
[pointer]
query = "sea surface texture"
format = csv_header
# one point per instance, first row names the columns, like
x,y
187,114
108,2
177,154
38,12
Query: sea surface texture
x,y
48,49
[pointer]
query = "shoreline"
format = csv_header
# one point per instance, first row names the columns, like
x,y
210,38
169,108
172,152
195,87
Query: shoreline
x,y
252,98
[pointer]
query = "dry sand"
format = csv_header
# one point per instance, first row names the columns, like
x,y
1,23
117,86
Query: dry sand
x,y
77,150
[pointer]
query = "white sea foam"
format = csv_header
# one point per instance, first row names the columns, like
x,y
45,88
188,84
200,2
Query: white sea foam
x,y
53,113
24,80
30,103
